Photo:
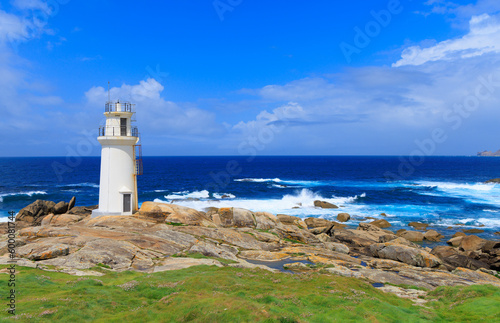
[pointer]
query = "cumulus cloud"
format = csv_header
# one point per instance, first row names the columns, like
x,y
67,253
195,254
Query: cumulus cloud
x,y
483,38
158,116
385,110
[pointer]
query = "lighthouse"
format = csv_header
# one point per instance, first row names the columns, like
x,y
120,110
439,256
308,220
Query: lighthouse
x,y
120,161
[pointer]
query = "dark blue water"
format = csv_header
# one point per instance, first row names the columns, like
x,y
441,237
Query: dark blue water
x,y
442,191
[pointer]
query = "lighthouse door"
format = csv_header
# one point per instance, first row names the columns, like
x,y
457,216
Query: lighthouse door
x,y
123,126
127,203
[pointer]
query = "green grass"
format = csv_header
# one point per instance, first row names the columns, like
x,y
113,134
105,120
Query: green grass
x,y
211,294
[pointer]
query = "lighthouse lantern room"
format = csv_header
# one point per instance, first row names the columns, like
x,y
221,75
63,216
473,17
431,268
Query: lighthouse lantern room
x,y
120,161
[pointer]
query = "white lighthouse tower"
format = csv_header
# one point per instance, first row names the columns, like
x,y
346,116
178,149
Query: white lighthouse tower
x,y
120,161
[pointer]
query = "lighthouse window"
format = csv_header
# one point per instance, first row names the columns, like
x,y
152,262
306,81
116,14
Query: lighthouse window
x,y
123,126
127,202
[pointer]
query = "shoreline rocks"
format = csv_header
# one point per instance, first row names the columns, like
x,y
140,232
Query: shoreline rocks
x,y
153,238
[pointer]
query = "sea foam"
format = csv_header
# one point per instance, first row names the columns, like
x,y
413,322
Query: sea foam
x,y
30,193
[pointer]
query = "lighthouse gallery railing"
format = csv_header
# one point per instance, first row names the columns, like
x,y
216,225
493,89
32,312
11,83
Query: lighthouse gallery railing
x,y
124,131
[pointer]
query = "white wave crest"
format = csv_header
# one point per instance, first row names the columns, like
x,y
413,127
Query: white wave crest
x,y
282,183
224,196
300,204
258,180
30,193
186,195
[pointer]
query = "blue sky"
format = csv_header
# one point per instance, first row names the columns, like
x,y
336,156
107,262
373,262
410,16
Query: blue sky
x,y
231,77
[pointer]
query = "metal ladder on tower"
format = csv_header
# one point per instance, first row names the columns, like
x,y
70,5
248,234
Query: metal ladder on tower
x,y
138,159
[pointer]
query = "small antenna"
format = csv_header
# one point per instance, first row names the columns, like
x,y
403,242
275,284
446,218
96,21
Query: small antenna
x,y
109,94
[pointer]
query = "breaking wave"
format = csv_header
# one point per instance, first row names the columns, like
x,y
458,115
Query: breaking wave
x,y
30,193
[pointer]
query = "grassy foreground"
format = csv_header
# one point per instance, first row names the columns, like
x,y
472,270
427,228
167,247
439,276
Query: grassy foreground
x,y
211,294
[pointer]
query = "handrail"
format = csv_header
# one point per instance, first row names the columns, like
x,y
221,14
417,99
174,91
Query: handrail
x,y
119,107
118,131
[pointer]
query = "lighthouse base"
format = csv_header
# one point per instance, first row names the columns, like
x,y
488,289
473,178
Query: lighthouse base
x,y
97,212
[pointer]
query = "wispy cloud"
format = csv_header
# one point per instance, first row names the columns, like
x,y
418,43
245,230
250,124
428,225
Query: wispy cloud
x,y
483,37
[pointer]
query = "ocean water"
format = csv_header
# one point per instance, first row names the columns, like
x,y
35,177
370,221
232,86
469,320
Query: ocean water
x,y
442,191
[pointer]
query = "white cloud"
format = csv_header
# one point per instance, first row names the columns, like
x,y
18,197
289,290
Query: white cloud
x,y
483,38
158,116
12,27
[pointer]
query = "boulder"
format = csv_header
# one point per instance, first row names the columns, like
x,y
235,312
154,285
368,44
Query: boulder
x,y
60,208
418,225
471,243
325,205
82,210
71,203
171,213
433,235
265,220
491,247
316,222
458,234
292,220
413,236
381,223
408,255
343,217
241,218
453,259
35,212
455,242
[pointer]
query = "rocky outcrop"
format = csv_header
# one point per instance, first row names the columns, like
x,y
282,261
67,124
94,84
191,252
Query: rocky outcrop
x,y
292,220
35,212
164,237
172,213
62,220
409,255
325,205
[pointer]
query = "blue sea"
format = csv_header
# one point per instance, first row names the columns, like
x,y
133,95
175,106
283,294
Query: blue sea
x,y
442,191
